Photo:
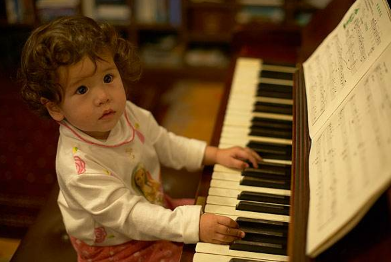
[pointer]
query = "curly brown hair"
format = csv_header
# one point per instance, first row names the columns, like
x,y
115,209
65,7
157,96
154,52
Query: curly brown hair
x,y
63,42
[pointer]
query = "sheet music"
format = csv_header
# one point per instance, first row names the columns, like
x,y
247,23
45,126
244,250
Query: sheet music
x,y
350,157
349,108
343,57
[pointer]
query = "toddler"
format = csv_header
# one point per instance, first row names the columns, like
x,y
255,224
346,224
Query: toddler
x,y
77,71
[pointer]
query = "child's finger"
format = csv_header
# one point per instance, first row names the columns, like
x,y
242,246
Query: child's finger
x,y
239,164
235,232
247,154
228,234
227,222
230,227
255,154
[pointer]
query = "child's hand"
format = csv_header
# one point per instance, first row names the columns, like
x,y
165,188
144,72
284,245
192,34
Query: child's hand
x,y
219,229
236,157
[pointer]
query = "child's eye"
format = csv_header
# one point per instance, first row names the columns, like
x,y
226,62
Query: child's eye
x,y
81,90
108,78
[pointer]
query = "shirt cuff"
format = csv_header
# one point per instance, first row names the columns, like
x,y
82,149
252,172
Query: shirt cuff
x,y
197,156
192,225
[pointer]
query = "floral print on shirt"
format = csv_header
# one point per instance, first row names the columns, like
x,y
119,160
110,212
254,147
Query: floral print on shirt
x,y
138,133
79,163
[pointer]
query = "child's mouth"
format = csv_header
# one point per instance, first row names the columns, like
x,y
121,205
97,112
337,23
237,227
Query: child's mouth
x,y
107,114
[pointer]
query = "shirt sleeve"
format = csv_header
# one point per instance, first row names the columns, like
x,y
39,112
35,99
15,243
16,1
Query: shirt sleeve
x,y
174,151
112,205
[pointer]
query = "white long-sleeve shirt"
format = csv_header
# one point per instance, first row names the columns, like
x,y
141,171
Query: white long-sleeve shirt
x,y
110,191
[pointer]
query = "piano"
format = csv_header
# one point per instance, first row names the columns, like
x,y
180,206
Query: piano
x,y
264,108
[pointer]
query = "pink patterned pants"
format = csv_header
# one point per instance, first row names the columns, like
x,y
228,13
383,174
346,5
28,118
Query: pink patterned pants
x,y
134,251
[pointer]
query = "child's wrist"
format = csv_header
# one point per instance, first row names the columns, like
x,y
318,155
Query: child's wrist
x,y
210,155
215,155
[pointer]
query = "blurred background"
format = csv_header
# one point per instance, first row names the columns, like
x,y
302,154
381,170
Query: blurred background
x,y
186,47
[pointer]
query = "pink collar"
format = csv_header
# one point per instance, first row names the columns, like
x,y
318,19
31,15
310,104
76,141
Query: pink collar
x,y
79,136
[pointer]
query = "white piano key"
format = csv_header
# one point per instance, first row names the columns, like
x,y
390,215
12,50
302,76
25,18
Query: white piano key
x,y
235,177
279,68
246,105
245,135
224,250
250,115
274,100
220,168
222,201
239,130
242,95
234,185
228,144
231,210
227,176
241,124
236,129
229,201
278,161
288,83
227,136
248,100
242,141
224,192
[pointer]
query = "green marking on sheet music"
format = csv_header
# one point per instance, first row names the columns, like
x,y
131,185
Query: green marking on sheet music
x,y
351,17
379,9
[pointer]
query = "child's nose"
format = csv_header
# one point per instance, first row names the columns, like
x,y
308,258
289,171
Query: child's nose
x,y
102,96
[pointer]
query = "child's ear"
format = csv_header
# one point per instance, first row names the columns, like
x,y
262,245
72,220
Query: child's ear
x,y
54,110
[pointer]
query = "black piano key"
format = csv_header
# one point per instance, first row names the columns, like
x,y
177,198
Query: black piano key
x,y
267,154
257,234
263,165
260,172
271,123
271,132
268,63
275,91
263,182
273,108
262,223
266,175
274,88
240,260
267,169
280,236
271,151
264,197
274,94
276,75
260,247
264,235
263,208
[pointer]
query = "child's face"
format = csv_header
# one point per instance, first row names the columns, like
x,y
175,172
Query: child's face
x,y
94,97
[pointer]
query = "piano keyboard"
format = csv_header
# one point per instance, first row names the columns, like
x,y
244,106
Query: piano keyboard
x,y
258,115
